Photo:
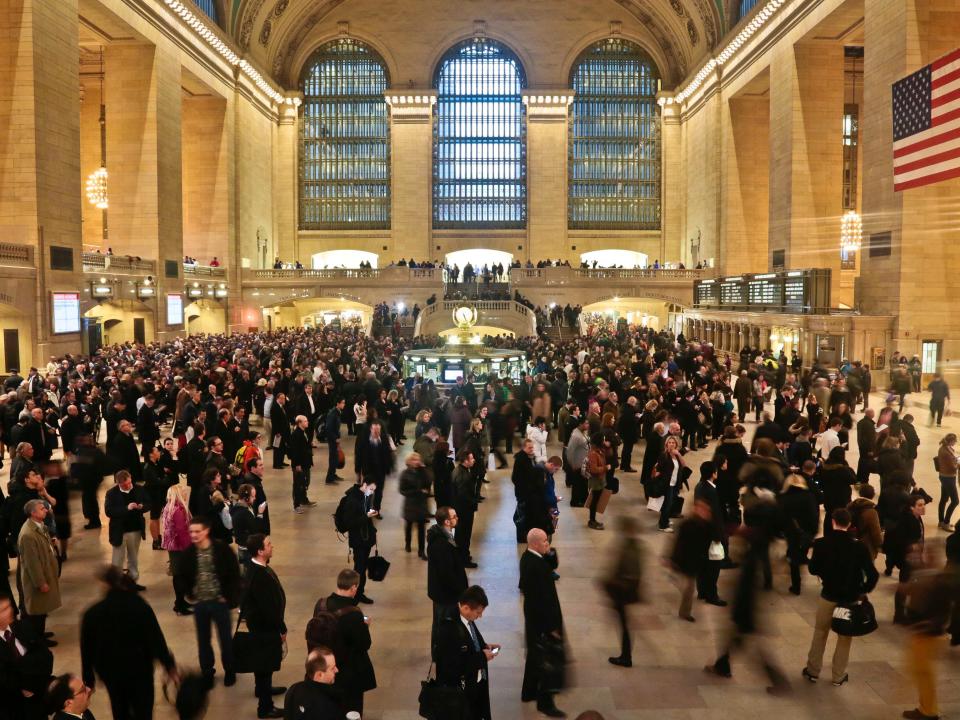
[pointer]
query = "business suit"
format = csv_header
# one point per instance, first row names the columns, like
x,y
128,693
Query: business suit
x,y
124,453
281,427
331,427
263,608
29,669
147,429
127,527
465,503
61,715
541,616
120,640
461,662
301,456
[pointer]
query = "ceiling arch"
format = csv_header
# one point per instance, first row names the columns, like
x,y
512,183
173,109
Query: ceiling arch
x,y
279,34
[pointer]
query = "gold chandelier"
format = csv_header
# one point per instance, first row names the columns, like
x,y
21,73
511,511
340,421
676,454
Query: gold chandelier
x,y
851,231
97,188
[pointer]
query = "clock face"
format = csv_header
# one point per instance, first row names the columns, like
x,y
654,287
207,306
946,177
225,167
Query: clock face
x,y
463,315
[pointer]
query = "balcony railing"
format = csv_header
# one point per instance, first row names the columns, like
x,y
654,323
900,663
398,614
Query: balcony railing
x,y
12,254
421,276
98,262
206,271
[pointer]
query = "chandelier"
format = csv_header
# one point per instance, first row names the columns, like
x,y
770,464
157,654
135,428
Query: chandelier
x,y
97,188
851,231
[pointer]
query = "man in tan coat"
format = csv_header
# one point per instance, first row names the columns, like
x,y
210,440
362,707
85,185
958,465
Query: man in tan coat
x,y
37,575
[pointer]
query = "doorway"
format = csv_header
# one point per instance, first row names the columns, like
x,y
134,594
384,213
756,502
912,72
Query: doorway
x,y
139,331
11,350
930,352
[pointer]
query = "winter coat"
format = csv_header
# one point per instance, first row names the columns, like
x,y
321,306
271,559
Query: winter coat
x,y
414,486
37,566
866,524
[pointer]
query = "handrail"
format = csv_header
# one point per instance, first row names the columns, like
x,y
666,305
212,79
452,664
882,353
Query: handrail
x,y
93,262
194,270
16,254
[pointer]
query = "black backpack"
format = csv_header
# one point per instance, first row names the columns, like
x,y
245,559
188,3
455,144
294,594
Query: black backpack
x,y
345,516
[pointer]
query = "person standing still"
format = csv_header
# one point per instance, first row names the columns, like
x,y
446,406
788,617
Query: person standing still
x,y
263,607
38,574
301,460
332,430
125,504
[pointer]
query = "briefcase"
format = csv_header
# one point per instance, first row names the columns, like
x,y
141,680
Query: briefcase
x,y
440,702
377,567
256,651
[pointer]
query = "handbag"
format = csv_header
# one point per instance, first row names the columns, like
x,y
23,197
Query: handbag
x,y
341,459
377,567
936,463
439,702
255,651
613,484
716,552
854,619
654,504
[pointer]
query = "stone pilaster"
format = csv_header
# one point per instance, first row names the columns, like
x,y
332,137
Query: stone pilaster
x,y
411,172
673,245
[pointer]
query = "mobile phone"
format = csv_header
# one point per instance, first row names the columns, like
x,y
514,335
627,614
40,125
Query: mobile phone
x,y
495,650
366,619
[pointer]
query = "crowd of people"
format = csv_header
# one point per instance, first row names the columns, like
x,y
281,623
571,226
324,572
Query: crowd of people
x,y
189,424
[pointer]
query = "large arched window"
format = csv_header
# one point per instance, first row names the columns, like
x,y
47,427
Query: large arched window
x,y
615,139
344,139
480,166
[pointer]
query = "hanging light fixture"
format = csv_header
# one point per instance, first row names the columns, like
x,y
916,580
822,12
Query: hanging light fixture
x,y
97,180
851,231
97,188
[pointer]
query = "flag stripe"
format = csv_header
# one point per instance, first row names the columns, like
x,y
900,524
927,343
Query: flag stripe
x,y
927,152
928,170
947,60
950,96
925,139
919,163
940,80
927,179
952,113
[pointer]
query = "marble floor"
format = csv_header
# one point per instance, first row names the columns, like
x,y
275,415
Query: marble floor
x,y
666,682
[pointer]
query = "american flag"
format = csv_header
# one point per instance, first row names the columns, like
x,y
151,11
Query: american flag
x,y
926,124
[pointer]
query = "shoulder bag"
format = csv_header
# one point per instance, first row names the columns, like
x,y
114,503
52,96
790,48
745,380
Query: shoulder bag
x,y
854,619
440,702
377,567
255,651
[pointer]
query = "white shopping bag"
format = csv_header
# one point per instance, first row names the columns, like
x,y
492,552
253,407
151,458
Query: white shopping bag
x,y
491,461
655,504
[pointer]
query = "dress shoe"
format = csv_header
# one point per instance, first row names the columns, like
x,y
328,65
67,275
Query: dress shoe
x,y
714,670
594,525
620,661
49,634
551,711
688,618
273,712
716,601
92,526
628,470
422,555
183,611
140,588
795,590
278,689
156,544
809,675
229,679
310,503
470,564
364,599
915,714
50,643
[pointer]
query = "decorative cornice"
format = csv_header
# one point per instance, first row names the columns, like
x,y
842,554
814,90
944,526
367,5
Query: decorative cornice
x,y
411,106
547,104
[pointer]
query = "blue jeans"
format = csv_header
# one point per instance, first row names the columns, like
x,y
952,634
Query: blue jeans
x,y
948,491
668,497
219,613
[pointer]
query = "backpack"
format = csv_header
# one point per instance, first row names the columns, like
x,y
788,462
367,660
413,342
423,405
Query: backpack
x,y
345,516
238,458
323,628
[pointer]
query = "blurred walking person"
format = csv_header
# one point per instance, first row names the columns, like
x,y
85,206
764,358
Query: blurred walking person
x,y
623,583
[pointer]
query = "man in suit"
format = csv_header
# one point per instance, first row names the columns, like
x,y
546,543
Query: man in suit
x,y
314,697
308,406
301,460
332,431
706,491
361,532
36,434
254,477
120,642
263,608
147,425
25,666
196,463
628,427
281,428
125,504
463,656
465,502
38,575
446,577
123,450
69,699
655,444
867,444
541,617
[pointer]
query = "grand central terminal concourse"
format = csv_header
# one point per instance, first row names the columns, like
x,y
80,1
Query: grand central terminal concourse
x,y
479,359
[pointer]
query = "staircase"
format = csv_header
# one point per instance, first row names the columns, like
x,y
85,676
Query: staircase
x,y
557,333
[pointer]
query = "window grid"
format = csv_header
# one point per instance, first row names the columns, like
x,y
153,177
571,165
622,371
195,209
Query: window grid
x,y
614,139
480,163
344,139
209,7
745,7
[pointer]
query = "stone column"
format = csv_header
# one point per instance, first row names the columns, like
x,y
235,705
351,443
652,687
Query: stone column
x,y
547,172
286,187
40,204
673,246
411,171
805,195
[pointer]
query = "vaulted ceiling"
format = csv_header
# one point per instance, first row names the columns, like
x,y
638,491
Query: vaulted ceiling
x,y
412,34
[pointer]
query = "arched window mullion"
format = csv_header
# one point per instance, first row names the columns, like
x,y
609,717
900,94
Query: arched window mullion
x,y
344,139
614,149
479,138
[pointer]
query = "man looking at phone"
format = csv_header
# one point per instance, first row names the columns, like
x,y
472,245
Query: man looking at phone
x,y
361,533
463,656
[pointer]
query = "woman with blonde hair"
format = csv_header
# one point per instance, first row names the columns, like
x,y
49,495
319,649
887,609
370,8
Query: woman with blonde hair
x,y
175,519
801,514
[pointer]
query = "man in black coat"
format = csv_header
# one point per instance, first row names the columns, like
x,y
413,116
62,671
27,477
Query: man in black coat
x,y
706,492
846,570
263,608
332,432
628,427
314,697
308,406
123,451
147,425
446,576
301,460
542,618
125,505
120,641
867,444
196,462
69,699
280,422
356,674
361,532
28,669
654,449
254,477
463,656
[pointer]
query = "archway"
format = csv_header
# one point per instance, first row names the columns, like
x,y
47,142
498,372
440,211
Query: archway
x,y
645,312
205,316
349,259
615,258
16,339
478,257
123,321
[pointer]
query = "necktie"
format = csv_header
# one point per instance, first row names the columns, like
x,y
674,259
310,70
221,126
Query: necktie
x,y
475,638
